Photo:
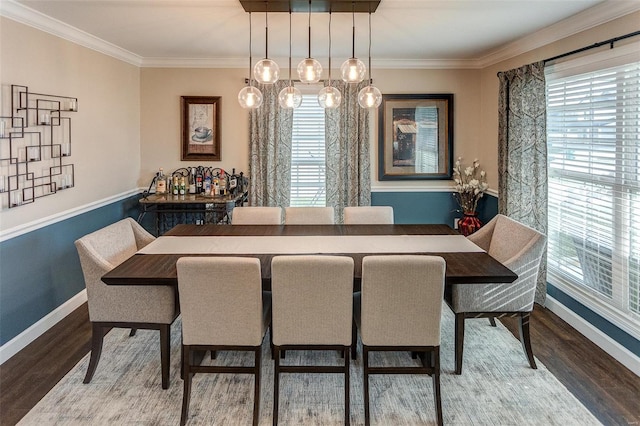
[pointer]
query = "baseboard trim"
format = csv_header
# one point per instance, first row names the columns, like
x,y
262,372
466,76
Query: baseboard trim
x,y
23,339
606,343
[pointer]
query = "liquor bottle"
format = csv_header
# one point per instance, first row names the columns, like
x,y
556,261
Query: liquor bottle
x,y
215,190
207,183
182,189
233,182
223,183
192,181
161,183
176,185
199,179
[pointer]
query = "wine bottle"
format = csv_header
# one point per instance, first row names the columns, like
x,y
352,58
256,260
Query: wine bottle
x,y
199,179
207,183
223,183
233,182
182,189
161,183
192,181
176,185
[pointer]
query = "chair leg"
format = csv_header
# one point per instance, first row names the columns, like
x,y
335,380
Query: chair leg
x,y
276,385
492,320
133,332
165,353
525,338
365,362
256,392
347,410
435,363
354,340
97,336
187,357
459,345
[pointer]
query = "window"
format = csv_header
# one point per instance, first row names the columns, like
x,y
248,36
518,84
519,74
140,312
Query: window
x,y
308,154
593,123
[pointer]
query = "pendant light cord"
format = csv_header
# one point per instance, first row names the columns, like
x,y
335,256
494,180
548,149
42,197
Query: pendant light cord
x,y
309,29
370,78
353,29
266,30
329,48
250,59
289,47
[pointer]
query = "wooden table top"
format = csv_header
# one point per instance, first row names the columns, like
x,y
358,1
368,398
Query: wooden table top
x,y
160,269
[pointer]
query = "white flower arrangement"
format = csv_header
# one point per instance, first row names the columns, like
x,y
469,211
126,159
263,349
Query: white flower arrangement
x,y
471,184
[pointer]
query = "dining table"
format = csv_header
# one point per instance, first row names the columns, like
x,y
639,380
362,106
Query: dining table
x,y
155,264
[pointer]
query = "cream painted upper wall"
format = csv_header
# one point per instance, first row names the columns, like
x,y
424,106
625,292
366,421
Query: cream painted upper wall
x,y
489,83
160,94
161,89
104,132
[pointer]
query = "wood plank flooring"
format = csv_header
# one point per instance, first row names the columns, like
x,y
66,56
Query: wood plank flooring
x,y
609,390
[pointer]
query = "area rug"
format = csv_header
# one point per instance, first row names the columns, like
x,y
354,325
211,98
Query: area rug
x,y
497,387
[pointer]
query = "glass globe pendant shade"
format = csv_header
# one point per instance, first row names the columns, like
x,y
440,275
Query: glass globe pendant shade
x,y
290,97
266,71
250,97
353,70
329,97
369,97
309,71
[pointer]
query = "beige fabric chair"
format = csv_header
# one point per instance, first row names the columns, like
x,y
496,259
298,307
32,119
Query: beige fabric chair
x,y
256,216
399,309
223,308
312,310
520,249
368,215
309,216
144,307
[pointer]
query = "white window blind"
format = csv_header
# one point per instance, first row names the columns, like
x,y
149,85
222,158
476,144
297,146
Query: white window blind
x,y
308,154
593,127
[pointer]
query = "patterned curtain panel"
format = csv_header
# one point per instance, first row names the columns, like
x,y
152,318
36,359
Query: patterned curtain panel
x,y
522,152
270,150
347,151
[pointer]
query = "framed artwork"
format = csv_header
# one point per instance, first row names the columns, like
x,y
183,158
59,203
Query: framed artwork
x,y
415,137
200,128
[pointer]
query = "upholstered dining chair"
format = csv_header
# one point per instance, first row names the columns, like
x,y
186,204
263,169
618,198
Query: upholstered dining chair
x,y
256,216
309,216
135,307
223,308
368,215
399,309
312,310
519,248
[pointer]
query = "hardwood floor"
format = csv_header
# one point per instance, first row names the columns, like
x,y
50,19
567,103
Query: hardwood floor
x,y
609,390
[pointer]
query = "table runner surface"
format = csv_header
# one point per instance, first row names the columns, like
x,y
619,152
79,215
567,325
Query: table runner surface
x,y
310,244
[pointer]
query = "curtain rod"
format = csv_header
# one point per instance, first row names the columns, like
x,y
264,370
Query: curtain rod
x,y
593,46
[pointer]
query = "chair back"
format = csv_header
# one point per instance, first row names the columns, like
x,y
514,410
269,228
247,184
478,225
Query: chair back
x,y
220,300
256,216
401,302
309,216
368,215
312,300
511,238
103,250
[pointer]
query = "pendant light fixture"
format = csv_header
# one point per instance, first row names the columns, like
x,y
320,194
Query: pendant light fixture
x,y
370,96
329,96
309,70
353,70
266,71
250,97
290,96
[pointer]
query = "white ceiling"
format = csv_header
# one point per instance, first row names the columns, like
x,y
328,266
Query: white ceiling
x,y
405,33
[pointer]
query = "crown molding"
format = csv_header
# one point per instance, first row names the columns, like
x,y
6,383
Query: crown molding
x,y
590,18
27,16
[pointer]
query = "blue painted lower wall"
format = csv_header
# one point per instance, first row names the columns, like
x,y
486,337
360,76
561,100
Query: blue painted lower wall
x,y
40,270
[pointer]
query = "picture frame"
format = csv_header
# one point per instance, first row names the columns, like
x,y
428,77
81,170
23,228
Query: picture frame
x,y
200,124
415,137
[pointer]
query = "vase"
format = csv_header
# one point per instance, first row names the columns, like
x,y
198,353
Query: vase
x,y
469,223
